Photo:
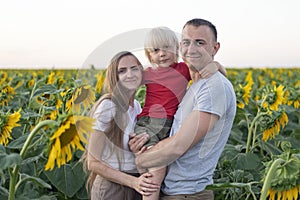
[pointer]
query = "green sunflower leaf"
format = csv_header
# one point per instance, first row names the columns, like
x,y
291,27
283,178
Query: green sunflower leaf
x,y
46,89
10,160
247,161
67,179
36,180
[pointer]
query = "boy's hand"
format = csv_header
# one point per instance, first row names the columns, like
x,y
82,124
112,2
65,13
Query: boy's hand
x,y
208,71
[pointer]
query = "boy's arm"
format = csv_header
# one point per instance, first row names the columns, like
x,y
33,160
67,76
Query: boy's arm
x,y
208,71
212,68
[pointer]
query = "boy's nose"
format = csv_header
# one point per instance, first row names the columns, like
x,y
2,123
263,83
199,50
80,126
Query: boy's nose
x,y
162,52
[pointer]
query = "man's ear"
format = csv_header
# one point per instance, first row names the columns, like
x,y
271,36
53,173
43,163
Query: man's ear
x,y
216,48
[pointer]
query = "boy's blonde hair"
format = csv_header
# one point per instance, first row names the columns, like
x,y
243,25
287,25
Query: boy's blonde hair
x,y
158,38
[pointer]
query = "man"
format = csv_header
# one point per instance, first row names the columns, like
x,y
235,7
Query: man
x,y
201,124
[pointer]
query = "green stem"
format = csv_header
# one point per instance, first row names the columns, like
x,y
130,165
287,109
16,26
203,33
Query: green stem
x,y
33,132
15,172
12,183
254,135
269,178
251,130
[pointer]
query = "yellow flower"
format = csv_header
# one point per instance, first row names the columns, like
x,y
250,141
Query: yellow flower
x,y
241,105
279,97
42,99
249,77
265,104
18,84
283,120
262,81
30,83
50,79
271,193
100,80
69,104
8,122
3,77
269,133
53,114
296,104
82,95
7,93
247,90
69,136
291,194
280,122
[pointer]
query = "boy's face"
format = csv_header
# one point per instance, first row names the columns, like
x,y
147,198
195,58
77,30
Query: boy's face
x,y
164,56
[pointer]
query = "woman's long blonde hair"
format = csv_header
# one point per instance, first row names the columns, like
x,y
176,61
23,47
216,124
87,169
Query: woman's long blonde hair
x,y
121,97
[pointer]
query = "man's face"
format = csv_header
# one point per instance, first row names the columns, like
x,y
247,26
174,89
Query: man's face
x,y
198,46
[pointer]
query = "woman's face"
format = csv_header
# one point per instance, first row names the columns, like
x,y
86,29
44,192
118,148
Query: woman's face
x,y
129,72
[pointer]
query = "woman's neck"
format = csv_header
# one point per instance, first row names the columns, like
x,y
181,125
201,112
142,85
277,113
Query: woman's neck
x,y
131,101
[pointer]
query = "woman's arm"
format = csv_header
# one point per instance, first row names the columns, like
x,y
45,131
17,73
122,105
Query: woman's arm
x,y
142,184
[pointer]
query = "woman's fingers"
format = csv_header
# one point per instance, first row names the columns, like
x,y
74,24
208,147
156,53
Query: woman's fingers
x,y
136,142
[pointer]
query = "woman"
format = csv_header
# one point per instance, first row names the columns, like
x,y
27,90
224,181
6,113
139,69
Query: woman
x,y
113,173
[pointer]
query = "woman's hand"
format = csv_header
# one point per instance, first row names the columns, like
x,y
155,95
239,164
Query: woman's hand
x,y
144,184
136,143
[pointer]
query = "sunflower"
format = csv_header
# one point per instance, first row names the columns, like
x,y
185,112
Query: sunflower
x,y
73,131
7,93
82,95
279,97
279,122
291,194
274,98
67,99
262,81
3,76
30,83
42,98
247,91
241,105
285,183
249,77
50,78
100,80
8,122
244,92
296,104
58,105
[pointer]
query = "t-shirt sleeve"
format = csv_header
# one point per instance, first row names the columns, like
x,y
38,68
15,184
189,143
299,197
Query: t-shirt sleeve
x,y
211,97
187,74
104,115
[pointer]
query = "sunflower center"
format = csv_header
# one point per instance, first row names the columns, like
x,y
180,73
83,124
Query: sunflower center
x,y
68,135
82,96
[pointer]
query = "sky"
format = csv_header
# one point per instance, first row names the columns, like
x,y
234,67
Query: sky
x,y
79,33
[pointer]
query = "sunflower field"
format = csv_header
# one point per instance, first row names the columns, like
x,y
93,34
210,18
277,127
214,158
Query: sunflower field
x,y
44,126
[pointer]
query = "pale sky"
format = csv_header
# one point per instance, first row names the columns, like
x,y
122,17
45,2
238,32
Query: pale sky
x,y
67,33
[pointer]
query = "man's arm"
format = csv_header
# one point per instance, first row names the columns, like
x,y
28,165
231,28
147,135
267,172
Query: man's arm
x,y
195,127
